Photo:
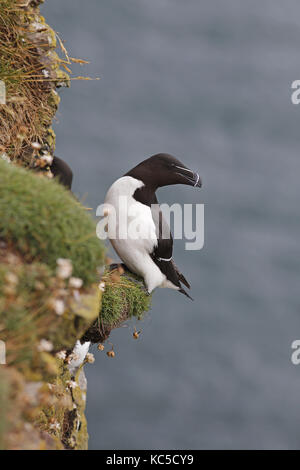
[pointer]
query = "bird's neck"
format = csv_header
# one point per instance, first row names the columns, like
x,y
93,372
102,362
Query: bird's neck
x,y
146,195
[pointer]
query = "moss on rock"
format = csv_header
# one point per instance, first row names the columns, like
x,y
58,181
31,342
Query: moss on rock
x,y
44,222
37,415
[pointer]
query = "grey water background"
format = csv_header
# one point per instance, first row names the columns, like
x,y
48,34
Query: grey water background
x,y
210,82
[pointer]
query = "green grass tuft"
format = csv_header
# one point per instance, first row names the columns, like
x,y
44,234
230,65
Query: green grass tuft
x,y
44,222
123,299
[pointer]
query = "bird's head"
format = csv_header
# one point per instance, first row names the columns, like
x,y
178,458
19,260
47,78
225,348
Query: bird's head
x,y
164,170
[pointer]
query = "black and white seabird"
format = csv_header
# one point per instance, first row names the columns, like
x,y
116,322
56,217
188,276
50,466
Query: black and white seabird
x,y
62,171
151,257
59,169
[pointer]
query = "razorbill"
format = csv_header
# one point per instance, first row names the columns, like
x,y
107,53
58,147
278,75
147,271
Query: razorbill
x,y
59,169
148,256
62,172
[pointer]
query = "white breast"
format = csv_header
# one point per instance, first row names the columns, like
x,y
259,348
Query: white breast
x,y
133,230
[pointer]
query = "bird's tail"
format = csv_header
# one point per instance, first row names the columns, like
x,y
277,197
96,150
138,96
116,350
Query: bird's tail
x,y
181,276
182,291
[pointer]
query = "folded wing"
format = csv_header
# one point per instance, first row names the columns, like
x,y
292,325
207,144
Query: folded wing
x,y
163,251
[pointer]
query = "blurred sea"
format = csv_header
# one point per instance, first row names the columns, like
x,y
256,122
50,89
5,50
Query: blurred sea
x,y
210,83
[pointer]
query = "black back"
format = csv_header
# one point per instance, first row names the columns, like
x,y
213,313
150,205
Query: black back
x,y
62,171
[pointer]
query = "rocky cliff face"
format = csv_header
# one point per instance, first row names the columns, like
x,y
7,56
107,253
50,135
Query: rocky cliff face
x,y
54,288
49,296
31,71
